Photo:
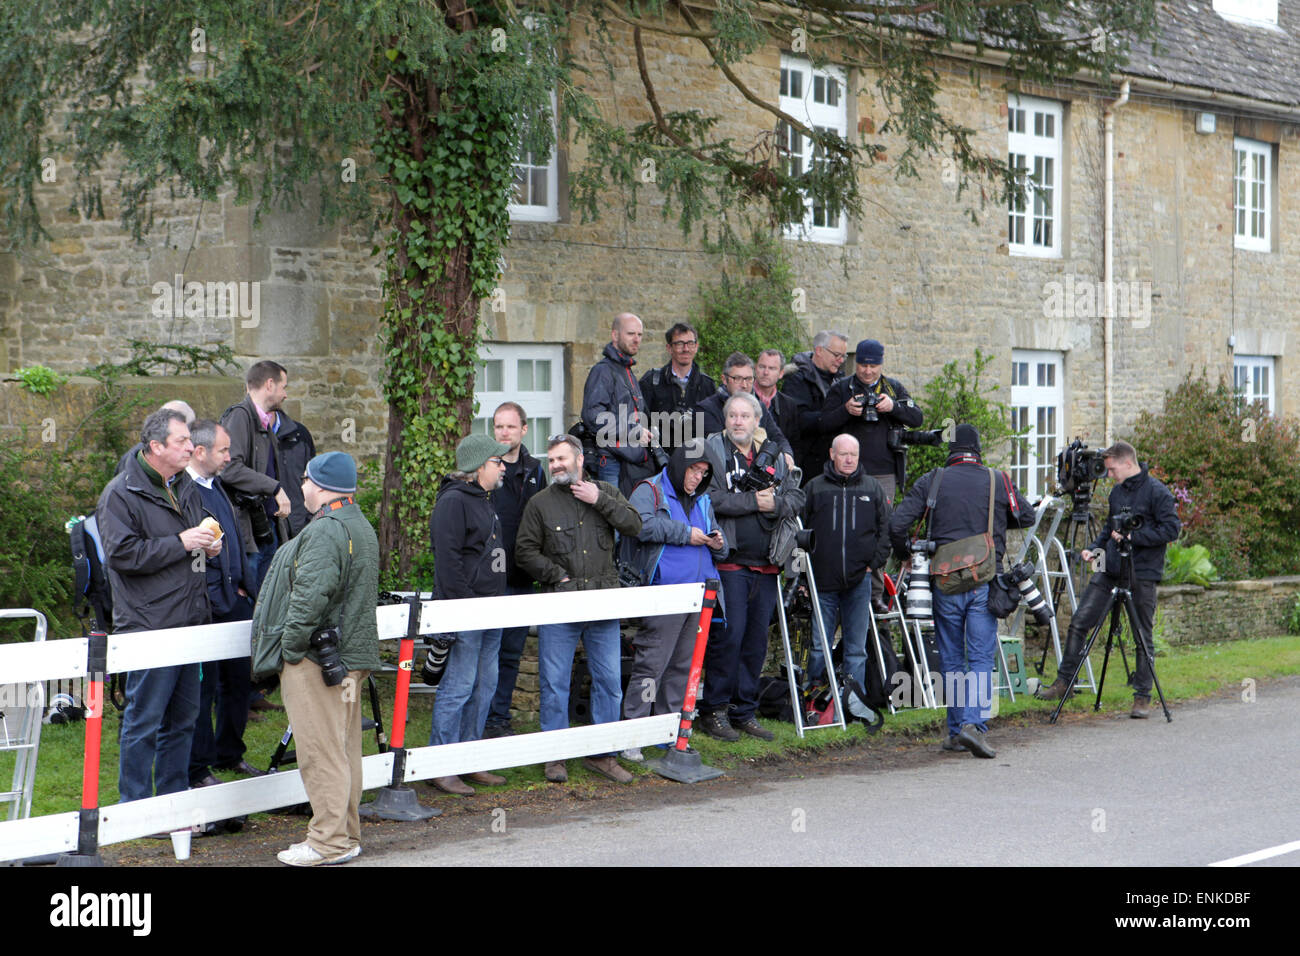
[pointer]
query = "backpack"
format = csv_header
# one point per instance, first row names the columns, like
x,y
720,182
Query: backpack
x,y
92,592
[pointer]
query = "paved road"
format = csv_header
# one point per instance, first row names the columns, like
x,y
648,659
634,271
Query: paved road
x,y
1220,781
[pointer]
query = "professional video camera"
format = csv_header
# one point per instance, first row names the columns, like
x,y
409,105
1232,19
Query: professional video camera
x,y
1078,466
898,438
762,473
1126,521
1021,577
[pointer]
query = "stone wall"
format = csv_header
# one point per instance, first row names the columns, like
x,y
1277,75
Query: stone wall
x,y
916,273
1227,610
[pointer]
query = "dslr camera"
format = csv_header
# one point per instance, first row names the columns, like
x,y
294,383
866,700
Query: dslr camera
x,y
325,642
899,438
253,505
1126,521
762,473
868,401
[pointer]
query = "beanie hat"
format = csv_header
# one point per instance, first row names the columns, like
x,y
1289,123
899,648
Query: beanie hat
x,y
870,352
474,450
966,438
333,471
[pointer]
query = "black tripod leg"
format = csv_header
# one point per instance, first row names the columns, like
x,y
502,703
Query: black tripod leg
x,y
1087,650
1115,608
279,754
380,737
1141,649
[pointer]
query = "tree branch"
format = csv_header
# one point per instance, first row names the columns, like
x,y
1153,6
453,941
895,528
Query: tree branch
x,y
696,34
660,123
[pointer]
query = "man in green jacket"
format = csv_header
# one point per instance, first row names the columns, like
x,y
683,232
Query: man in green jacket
x,y
326,579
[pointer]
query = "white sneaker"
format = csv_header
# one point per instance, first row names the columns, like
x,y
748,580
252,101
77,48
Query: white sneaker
x,y
300,854
634,754
351,854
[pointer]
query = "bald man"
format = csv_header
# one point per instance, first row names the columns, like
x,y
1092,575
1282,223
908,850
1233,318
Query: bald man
x,y
614,410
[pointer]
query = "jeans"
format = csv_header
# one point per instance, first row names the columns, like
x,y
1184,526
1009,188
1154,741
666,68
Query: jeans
x,y
609,468
734,657
162,705
556,646
968,642
512,649
465,691
853,607
1091,605
260,561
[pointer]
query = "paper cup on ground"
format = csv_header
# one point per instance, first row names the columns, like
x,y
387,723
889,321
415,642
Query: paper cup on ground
x,y
181,843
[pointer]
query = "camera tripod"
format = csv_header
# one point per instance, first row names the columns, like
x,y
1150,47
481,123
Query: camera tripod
x,y
1083,523
1120,600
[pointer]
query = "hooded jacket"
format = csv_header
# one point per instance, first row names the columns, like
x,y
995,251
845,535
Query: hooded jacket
x,y
612,403
251,447
156,582
468,546
1150,498
296,449
850,516
662,552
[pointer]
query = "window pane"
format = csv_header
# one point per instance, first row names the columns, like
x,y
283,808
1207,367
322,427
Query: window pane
x,y
525,371
1051,375
832,91
796,84
1042,374
538,436
542,374
819,89
490,375
785,82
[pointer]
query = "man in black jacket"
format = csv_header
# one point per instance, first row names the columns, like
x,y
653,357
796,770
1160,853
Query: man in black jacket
x,y
256,474
470,561
524,477
738,377
1146,497
672,392
297,447
867,405
847,509
967,632
807,385
155,555
225,683
614,410
767,376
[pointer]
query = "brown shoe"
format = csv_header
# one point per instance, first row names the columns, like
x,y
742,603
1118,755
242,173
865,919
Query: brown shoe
x,y
261,703
1141,707
453,785
1054,691
485,778
607,767
556,772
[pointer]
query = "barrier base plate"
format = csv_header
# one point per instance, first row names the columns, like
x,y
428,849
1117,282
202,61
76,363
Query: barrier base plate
x,y
397,803
684,766
80,859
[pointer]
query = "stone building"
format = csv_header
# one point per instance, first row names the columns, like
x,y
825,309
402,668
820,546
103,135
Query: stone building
x,y
1206,214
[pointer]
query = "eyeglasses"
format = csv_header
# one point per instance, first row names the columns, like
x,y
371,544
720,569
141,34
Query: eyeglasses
x,y
740,379
684,344
838,356
498,461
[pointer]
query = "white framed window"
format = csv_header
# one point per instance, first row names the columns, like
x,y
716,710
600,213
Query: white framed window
x,y
1253,379
533,376
1251,185
1035,137
818,97
536,184
1037,404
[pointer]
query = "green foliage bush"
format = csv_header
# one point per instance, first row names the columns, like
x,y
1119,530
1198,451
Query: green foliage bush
x,y
749,309
962,396
1189,565
1232,466
39,379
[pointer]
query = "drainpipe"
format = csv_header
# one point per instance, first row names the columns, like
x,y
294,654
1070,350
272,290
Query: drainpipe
x,y
1108,257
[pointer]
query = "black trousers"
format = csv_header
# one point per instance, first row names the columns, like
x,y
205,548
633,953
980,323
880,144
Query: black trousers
x,y
226,684
1091,605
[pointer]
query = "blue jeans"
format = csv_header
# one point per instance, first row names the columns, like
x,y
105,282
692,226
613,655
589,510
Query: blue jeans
x,y
968,642
734,657
465,691
556,646
162,705
609,468
512,649
853,607
259,562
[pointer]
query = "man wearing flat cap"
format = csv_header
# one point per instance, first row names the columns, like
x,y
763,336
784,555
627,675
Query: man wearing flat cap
x,y
470,561
314,625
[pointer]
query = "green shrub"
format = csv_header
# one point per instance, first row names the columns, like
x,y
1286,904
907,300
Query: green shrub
x,y
750,307
1232,468
39,379
1293,619
962,396
1188,565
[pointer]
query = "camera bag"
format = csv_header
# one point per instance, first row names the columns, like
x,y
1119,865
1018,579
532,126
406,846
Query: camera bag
x,y
963,565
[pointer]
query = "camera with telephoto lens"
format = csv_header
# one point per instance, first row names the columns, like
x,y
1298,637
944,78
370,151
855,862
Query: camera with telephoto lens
x,y
898,438
64,709
920,600
325,642
1126,521
255,506
1079,466
868,402
762,473
658,454
435,662
1021,577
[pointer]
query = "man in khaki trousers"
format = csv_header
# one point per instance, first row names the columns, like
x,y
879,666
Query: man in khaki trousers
x,y
315,624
